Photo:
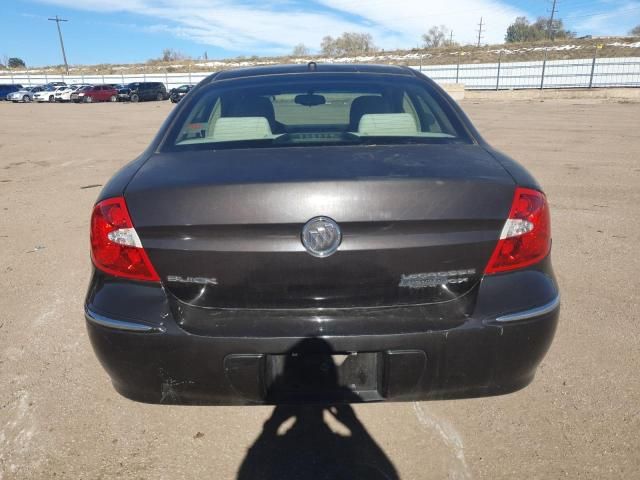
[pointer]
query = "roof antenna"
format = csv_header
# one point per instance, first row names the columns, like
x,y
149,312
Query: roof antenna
x,y
312,66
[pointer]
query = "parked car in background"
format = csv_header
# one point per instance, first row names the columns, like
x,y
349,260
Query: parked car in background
x,y
75,96
64,95
25,94
140,91
96,93
176,94
7,89
48,94
56,84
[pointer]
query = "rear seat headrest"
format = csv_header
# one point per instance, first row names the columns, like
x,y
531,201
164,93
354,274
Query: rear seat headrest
x,y
252,107
229,129
366,104
388,124
255,106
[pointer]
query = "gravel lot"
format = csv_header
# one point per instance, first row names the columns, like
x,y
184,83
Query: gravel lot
x,y
60,417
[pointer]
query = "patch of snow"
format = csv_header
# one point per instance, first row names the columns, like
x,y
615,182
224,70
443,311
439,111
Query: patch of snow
x,y
627,45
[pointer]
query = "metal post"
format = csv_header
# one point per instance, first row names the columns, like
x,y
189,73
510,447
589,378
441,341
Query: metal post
x,y
458,68
29,78
103,78
420,62
480,33
593,66
550,25
498,75
544,66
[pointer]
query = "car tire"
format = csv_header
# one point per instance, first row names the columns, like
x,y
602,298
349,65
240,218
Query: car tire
x,y
135,98
113,98
52,99
160,97
26,99
88,99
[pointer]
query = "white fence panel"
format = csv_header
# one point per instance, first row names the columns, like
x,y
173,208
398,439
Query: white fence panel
x,y
601,72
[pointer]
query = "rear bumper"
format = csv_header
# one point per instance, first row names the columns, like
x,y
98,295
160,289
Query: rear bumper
x,y
491,352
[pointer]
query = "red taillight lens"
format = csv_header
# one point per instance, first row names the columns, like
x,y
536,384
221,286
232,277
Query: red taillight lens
x,y
526,236
115,245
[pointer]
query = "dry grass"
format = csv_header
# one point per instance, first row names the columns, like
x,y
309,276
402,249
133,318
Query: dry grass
x,y
516,52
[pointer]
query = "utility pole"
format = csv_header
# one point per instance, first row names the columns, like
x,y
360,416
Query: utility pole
x,y
550,26
480,32
451,38
64,55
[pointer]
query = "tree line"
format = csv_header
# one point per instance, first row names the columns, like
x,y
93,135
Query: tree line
x,y
521,30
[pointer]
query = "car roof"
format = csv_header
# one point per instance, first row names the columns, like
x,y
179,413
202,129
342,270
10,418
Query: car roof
x,y
311,67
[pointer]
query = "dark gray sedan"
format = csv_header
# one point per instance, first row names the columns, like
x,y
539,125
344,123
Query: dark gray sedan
x,y
320,233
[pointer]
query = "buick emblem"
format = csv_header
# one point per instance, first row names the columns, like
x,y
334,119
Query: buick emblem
x,y
321,236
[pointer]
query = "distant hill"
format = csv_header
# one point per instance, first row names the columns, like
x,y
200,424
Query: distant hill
x,y
569,49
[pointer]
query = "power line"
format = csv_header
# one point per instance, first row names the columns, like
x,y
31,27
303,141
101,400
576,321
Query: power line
x,y
480,32
64,55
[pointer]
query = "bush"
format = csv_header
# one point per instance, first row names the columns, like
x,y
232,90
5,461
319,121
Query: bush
x,y
435,37
349,43
171,55
15,62
300,50
523,31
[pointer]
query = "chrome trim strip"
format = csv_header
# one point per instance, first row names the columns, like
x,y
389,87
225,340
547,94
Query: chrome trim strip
x,y
531,313
127,326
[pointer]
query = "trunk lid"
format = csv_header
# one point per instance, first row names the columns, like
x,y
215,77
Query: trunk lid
x,y
223,228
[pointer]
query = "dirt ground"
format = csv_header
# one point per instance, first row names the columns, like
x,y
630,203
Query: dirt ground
x,y
60,417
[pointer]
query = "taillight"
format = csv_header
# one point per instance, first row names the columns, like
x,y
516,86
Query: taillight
x,y
115,246
526,236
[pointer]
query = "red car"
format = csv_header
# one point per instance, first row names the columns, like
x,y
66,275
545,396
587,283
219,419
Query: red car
x,y
97,93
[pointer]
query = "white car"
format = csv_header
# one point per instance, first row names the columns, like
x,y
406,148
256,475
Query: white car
x,y
48,95
64,95
24,95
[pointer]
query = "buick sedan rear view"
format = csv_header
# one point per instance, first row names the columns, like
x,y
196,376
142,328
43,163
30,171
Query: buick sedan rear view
x,y
320,233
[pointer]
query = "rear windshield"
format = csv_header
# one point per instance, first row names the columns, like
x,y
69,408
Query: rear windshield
x,y
315,110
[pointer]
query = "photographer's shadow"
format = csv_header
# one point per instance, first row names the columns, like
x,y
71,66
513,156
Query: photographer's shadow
x,y
296,441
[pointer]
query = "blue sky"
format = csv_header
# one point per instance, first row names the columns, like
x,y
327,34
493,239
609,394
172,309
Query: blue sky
x,y
123,31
